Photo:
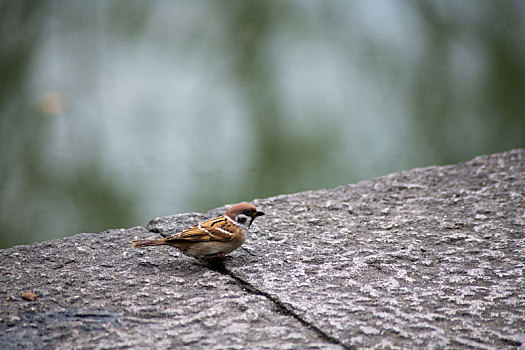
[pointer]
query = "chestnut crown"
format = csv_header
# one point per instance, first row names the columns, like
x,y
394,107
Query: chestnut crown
x,y
243,213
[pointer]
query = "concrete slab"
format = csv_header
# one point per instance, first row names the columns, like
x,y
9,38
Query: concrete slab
x,y
426,258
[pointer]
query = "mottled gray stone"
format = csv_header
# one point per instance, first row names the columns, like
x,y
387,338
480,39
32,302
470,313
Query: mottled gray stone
x,y
426,258
95,291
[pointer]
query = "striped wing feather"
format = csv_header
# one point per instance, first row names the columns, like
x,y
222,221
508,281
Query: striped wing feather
x,y
218,229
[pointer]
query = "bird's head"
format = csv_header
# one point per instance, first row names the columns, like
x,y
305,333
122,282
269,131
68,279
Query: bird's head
x,y
243,213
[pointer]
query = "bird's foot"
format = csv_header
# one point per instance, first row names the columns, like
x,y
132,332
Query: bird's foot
x,y
216,257
224,256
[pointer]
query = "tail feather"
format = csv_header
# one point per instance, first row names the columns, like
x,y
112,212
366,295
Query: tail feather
x,y
148,242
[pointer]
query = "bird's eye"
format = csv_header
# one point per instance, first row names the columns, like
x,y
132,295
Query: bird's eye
x,y
248,212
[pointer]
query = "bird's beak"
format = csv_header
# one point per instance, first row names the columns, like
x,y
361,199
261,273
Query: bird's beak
x,y
258,213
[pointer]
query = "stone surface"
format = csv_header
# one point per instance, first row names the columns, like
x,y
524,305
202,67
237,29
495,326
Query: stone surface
x,y
426,258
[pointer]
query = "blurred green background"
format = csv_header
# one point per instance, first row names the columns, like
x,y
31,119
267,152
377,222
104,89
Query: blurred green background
x,y
116,112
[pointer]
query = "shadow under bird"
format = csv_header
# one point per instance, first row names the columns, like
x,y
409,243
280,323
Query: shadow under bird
x,y
214,238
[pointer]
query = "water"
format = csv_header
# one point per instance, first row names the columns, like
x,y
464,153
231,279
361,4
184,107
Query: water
x,y
116,112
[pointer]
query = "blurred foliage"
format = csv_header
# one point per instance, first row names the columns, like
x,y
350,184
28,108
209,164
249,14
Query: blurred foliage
x,y
37,200
454,88
492,99
287,157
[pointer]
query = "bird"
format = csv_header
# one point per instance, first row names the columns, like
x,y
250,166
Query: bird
x,y
211,239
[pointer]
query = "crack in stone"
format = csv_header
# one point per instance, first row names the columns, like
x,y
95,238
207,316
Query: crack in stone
x,y
217,265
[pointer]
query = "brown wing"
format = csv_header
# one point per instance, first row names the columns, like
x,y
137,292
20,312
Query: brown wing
x,y
218,229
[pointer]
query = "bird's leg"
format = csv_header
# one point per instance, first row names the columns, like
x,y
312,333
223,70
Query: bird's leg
x,y
208,259
224,256
219,257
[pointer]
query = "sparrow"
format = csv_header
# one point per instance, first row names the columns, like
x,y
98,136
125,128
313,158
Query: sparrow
x,y
214,238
